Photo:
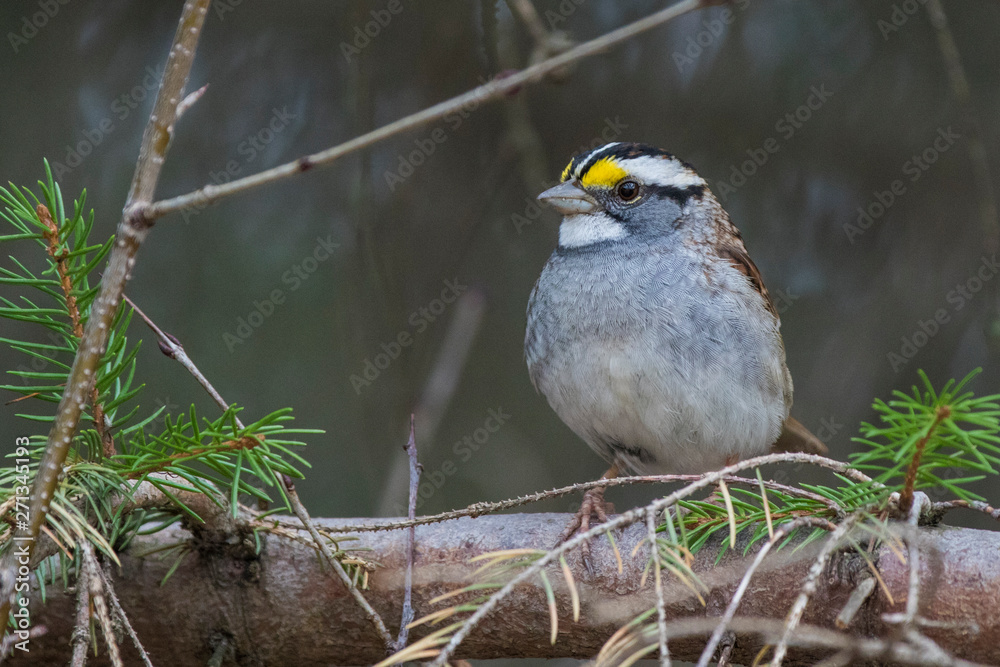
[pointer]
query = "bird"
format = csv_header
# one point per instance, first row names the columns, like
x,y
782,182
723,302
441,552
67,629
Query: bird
x,y
650,331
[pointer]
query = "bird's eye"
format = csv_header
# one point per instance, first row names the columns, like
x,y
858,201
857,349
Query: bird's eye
x,y
627,190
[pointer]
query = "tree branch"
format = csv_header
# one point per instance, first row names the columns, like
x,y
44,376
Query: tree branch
x,y
284,598
487,92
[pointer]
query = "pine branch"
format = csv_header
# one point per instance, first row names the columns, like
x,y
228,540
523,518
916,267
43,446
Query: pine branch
x,y
132,231
906,497
59,257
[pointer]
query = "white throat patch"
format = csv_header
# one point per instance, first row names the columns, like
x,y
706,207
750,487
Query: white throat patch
x,y
582,230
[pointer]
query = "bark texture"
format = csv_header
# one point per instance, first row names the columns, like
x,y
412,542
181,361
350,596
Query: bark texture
x,y
283,608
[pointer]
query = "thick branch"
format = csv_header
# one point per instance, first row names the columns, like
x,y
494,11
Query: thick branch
x,y
282,608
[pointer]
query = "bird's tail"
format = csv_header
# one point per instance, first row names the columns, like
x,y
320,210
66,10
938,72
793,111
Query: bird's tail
x,y
797,438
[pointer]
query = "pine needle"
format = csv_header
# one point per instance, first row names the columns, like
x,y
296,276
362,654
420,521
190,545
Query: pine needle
x,y
574,595
729,513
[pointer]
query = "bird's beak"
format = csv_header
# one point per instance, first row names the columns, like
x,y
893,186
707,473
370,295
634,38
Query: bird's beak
x,y
569,199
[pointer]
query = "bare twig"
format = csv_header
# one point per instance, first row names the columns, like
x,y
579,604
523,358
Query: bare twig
x,y
913,556
223,650
94,582
415,469
132,231
303,516
440,386
81,632
120,614
661,605
809,586
487,92
190,100
860,593
529,16
734,603
479,509
725,655
852,648
937,510
172,347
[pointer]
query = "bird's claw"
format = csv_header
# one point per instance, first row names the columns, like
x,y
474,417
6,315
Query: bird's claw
x,y
593,504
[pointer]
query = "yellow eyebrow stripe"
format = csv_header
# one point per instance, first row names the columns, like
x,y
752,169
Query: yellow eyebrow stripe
x,y
565,174
605,173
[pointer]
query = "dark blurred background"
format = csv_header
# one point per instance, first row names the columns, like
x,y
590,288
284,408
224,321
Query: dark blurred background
x,y
848,97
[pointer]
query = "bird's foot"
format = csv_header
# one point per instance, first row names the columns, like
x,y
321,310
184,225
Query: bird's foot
x,y
594,505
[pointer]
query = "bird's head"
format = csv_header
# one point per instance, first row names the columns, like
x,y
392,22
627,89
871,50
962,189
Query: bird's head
x,y
625,190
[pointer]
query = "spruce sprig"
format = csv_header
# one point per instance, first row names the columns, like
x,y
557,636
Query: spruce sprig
x,y
932,439
121,444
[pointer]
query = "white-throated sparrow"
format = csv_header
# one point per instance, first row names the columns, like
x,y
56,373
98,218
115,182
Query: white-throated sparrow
x,y
649,330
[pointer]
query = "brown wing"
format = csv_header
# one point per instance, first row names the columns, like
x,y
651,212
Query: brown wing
x,y
797,438
739,258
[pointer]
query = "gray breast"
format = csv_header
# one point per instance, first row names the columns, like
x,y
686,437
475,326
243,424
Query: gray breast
x,y
660,362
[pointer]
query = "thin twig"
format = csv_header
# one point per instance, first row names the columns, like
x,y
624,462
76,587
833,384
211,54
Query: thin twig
x,y
529,16
938,510
661,605
415,469
913,556
120,614
481,508
725,655
810,584
81,632
100,604
223,649
734,603
490,91
440,387
548,42
131,233
172,347
303,516
190,101
857,598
